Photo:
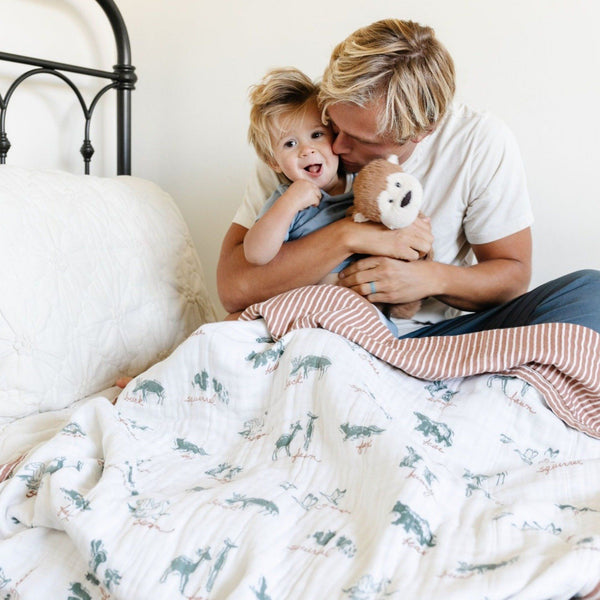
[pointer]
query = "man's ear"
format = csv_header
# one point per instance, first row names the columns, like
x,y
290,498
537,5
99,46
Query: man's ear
x,y
422,136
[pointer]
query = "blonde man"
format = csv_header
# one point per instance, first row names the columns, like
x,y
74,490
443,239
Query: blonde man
x,y
388,89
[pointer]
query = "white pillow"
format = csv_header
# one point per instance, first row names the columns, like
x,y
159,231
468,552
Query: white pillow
x,y
98,278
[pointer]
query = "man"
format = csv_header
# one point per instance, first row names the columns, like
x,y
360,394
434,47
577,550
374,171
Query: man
x,y
388,89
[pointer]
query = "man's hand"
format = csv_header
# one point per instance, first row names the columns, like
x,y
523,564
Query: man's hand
x,y
503,272
409,243
383,279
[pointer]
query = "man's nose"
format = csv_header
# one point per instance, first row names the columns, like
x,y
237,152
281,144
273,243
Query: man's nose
x,y
340,144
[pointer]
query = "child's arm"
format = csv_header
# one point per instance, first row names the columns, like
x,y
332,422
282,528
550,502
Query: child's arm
x,y
265,238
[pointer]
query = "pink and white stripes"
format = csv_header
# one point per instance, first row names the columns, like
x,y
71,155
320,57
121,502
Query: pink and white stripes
x,y
560,359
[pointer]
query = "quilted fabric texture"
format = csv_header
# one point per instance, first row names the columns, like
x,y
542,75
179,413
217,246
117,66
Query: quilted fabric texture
x,y
98,278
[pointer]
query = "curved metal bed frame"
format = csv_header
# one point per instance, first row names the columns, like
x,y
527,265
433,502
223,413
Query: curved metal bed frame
x,y
122,78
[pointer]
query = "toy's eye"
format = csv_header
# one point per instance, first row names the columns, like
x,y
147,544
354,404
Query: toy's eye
x,y
390,201
398,184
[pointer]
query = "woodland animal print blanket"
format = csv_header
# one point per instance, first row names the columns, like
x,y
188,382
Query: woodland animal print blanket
x,y
273,458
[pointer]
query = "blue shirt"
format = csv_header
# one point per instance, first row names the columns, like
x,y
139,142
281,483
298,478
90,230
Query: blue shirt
x,y
330,209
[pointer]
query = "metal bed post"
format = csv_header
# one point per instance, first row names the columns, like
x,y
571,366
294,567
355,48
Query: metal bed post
x,y
123,80
126,79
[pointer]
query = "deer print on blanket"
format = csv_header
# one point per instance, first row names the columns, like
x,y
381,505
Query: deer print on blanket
x,y
219,563
150,387
286,439
514,389
504,383
184,566
309,430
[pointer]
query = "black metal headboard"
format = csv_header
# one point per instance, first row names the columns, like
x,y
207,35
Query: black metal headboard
x,y
122,78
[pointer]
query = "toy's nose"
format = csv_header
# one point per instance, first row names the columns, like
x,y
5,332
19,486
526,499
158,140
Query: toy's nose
x,y
406,200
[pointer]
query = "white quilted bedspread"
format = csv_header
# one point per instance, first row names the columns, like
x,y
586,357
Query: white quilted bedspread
x,y
98,278
242,467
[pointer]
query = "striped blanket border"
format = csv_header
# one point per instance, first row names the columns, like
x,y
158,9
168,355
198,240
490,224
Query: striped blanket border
x,y
561,360
7,469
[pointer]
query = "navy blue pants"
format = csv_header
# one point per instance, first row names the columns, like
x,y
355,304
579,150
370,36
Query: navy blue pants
x,y
574,298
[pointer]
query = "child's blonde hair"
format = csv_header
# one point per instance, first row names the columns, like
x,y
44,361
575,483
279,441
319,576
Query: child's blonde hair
x,y
282,91
400,63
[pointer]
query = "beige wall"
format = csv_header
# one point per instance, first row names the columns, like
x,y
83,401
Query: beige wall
x,y
534,63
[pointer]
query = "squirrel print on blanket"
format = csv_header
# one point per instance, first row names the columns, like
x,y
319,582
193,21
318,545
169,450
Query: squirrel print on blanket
x,y
209,384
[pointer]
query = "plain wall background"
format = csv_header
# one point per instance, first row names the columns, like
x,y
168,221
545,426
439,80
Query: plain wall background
x,y
534,63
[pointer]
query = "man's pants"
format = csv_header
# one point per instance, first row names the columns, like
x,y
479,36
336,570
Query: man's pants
x,y
574,298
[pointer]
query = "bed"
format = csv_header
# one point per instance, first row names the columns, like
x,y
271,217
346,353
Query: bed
x,y
300,452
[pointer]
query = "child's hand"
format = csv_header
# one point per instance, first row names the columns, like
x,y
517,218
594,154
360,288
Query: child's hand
x,y
303,194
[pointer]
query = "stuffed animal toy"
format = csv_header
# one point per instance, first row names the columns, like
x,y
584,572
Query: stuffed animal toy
x,y
383,193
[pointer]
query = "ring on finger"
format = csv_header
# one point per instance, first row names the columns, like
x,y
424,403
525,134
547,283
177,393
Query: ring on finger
x,y
372,285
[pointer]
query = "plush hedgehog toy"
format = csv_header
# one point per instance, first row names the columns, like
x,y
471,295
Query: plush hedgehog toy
x,y
383,193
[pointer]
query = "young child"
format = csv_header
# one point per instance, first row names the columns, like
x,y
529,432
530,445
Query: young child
x,y
288,134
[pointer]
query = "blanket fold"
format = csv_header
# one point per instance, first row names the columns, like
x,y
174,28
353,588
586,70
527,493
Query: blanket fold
x,y
561,360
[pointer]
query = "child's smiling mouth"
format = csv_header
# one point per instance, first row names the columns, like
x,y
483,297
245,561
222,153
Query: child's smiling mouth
x,y
314,169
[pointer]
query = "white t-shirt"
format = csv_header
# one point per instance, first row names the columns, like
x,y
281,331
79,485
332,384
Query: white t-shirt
x,y
474,184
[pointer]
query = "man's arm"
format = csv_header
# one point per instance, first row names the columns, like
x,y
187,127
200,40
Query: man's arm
x,y
307,260
503,272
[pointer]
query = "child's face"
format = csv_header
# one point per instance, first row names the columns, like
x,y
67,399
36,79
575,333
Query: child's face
x,y
302,148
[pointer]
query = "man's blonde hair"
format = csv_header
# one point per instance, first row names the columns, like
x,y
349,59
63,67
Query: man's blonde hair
x,y
283,91
399,63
